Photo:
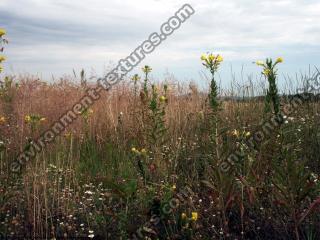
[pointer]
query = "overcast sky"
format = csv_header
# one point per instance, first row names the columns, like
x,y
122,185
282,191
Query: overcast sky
x,y
56,36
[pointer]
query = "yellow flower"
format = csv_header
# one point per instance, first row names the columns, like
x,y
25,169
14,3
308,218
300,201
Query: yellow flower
x,y
219,59
2,119
135,78
279,60
211,57
201,114
146,69
260,63
1,68
247,134
235,133
183,215
143,151
174,187
134,150
162,98
2,58
194,216
203,57
27,118
266,72
2,32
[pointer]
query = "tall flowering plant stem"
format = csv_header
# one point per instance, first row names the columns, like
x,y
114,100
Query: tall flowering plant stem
x,y
272,101
146,70
212,63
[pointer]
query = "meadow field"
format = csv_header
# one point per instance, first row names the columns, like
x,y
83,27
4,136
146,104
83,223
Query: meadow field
x,y
163,160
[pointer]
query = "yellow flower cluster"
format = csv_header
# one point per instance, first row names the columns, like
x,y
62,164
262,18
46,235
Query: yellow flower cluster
x,y
194,216
268,67
162,99
146,69
2,32
211,61
260,63
2,58
237,133
266,72
135,78
279,60
212,58
143,151
2,120
27,118
263,64
33,119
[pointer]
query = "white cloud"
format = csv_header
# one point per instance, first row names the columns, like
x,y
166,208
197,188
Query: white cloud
x,y
52,36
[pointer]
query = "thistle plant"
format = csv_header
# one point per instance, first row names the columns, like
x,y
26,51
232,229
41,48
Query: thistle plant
x,y
272,101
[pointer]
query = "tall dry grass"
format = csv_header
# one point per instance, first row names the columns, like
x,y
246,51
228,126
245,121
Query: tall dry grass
x,y
89,183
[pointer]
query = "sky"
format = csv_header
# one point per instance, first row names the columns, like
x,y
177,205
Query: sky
x,y
54,37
